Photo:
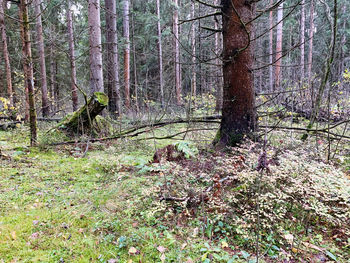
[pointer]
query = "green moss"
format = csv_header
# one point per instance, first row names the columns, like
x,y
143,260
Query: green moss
x,y
101,98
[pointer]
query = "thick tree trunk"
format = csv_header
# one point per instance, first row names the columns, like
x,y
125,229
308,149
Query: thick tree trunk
x,y
41,48
6,53
96,72
302,44
113,85
126,31
28,68
160,55
73,71
80,122
271,47
238,112
177,53
279,39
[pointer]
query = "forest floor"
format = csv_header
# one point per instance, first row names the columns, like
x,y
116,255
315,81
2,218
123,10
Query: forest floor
x,y
115,202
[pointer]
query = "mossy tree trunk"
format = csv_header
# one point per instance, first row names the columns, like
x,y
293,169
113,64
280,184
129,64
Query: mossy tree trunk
x,y
80,122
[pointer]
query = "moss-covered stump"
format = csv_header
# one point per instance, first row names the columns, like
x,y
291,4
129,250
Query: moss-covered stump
x,y
81,121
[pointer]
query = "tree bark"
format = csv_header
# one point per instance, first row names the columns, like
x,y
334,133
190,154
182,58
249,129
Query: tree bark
x,y
80,122
238,112
96,72
279,39
42,64
193,40
73,71
302,44
311,38
28,68
271,47
6,53
160,55
177,53
126,31
113,84
218,66
134,59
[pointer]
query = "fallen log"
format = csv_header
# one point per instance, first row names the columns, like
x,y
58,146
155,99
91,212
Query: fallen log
x,y
81,121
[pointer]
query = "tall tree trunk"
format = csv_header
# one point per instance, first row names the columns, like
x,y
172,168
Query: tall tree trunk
x,y
136,85
271,47
302,44
218,66
28,68
42,64
177,53
238,112
6,53
126,31
73,72
160,55
311,38
96,72
279,39
113,84
53,83
193,39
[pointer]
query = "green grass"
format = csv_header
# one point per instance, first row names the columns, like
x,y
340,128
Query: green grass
x,y
58,207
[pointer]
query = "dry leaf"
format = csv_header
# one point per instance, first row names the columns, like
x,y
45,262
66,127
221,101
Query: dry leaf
x,y
294,250
183,246
289,238
132,250
161,249
308,245
224,244
13,235
162,258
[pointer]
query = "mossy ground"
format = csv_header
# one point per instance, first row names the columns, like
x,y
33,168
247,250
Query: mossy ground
x,y
58,207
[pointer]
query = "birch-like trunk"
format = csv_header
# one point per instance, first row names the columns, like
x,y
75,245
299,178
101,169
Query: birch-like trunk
x,y
279,39
126,31
96,72
73,72
6,53
28,68
113,84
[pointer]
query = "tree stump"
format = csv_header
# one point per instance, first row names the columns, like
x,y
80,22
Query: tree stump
x,y
81,121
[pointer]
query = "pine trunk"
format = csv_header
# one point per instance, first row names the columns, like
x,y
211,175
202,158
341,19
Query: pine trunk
x,y
42,64
271,47
302,43
96,72
113,85
177,53
28,68
126,30
160,56
279,39
6,53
